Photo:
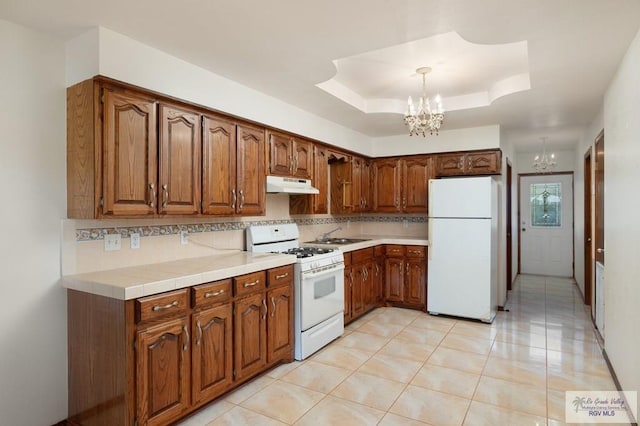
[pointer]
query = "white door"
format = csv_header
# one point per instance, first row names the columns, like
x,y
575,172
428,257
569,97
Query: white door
x,y
546,225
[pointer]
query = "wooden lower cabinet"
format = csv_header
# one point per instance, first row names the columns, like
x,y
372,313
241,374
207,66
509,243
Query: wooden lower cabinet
x,y
250,334
406,276
162,364
152,361
212,352
361,285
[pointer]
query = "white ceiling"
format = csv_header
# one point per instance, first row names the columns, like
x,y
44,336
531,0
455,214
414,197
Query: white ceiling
x,y
284,48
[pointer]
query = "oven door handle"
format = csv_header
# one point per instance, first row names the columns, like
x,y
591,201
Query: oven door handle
x,y
331,269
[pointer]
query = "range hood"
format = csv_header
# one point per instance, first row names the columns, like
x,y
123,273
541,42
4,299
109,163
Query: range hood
x,y
290,185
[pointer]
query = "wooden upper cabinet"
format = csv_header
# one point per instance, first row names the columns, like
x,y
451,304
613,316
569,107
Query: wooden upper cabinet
x,y
416,173
361,187
289,156
469,163
180,161
314,203
218,166
129,149
250,170
386,177
341,179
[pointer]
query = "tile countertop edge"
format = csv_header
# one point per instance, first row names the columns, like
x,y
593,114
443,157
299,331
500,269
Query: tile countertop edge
x,y
372,241
130,283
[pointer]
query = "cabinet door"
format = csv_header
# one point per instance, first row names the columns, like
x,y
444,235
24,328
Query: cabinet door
x,y
162,368
250,184
341,191
394,279
386,197
378,280
130,155
358,290
302,152
356,187
250,334
450,164
219,194
415,293
321,180
348,285
483,163
212,359
416,173
365,186
280,159
180,165
280,323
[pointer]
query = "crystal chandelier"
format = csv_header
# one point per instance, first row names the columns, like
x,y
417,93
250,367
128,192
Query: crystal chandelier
x,y
426,119
544,163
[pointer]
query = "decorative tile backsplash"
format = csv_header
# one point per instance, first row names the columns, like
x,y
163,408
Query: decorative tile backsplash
x,y
93,234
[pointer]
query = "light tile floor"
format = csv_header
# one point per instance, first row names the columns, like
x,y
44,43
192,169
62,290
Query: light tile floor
x,y
404,367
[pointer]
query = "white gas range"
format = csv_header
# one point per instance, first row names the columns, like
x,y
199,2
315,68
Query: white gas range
x,y
318,285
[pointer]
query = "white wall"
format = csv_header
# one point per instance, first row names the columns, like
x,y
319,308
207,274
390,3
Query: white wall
x,y
33,360
471,138
105,52
622,230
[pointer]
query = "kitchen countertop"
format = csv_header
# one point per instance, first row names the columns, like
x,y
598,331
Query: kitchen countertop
x,y
145,280
371,241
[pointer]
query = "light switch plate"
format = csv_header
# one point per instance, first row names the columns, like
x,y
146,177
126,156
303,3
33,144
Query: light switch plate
x,y
112,242
184,237
135,240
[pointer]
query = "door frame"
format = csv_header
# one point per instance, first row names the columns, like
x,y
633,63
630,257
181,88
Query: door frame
x,y
588,230
573,225
509,226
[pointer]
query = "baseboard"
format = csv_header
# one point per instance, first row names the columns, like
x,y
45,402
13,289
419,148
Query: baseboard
x,y
617,382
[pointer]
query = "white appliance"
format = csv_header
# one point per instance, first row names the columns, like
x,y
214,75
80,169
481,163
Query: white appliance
x,y
463,226
318,285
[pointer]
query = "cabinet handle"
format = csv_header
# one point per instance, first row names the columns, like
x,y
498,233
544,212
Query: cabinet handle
x,y
162,308
397,204
214,294
264,304
233,198
470,165
251,284
286,274
199,333
241,199
295,164
186,338
404,203
290,164
273,306
152,190
377,269
461,164
351,279
165,196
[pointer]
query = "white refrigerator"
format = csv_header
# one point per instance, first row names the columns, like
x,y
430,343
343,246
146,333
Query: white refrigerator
x,y
463,247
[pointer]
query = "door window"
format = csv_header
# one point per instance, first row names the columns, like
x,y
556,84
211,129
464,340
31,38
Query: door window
x,y
546,204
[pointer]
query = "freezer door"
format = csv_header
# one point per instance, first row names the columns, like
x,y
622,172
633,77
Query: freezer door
x,y
461,197
459,269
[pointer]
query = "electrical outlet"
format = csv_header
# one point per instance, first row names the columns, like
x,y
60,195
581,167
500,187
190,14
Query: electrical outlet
x,y
405,223
184,237
135,240
112,242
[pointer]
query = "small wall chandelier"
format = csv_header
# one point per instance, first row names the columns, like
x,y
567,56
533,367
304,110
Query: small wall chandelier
x,y
544,163
425,119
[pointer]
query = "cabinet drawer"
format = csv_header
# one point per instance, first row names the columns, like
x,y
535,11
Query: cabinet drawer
x,y
363,255
210,293
249,283
416,251
281,275
394,250
162,305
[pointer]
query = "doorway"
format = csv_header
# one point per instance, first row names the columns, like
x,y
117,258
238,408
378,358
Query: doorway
x,y
546,224
599,304
588,246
